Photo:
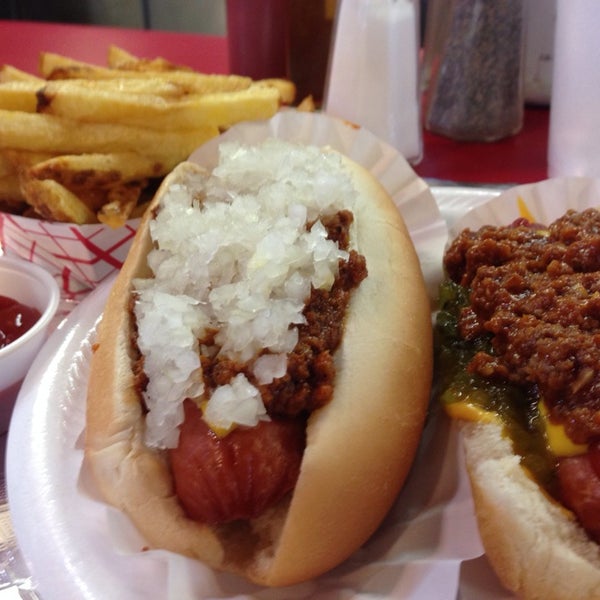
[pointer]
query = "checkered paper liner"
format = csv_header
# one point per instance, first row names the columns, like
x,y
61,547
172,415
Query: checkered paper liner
x,y
79,256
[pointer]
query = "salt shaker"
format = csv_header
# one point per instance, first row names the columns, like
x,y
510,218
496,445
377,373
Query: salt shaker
x,y
475,88
373,71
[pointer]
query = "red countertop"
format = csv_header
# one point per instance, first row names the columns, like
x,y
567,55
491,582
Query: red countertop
x,y
518,159
521,158
22,41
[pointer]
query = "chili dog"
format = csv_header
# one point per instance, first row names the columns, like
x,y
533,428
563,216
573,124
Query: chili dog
x,y
517,337
262,367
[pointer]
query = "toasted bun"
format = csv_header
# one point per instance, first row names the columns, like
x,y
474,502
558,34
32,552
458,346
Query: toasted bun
x,y
359,448
533,543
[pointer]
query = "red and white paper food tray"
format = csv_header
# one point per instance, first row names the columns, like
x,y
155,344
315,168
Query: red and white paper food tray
x,y
79,256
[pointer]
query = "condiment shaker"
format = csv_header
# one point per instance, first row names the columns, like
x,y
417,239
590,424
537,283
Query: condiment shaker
x,y
373,74
475,85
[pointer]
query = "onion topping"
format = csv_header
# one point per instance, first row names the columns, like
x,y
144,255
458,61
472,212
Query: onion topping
x,y
236,252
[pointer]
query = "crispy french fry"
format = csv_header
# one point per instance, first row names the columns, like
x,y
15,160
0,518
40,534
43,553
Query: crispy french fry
x,y
128,85
10,73
256,103
307,105
55,202
118,58
95,170
58,135
121,201
286,89
54,66
122,59
29,96
100,178
101,105
19,95
51,62
192,82
146,110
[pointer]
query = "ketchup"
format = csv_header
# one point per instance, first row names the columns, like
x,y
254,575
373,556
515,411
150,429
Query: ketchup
x,y
15,320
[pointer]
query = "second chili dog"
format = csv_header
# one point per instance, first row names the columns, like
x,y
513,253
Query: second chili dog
x,y
518,334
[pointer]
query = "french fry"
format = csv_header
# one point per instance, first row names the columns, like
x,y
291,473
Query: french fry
x,y
10,73
128,85
146,110
121,201
56,203
19,95
98,179
29,96
122,59
54,66
256,103
127,99
84,171
307,105
118,58
286,89
58,135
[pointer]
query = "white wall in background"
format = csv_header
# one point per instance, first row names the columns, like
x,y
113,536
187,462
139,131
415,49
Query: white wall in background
x,y
193,16
121,13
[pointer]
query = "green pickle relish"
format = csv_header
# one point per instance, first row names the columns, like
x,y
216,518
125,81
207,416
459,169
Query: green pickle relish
x,y
515,406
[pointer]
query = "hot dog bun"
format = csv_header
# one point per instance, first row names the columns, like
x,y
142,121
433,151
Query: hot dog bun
x,y
533,543
359,448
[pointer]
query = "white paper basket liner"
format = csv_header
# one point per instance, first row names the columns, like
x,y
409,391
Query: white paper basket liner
x,y
545,201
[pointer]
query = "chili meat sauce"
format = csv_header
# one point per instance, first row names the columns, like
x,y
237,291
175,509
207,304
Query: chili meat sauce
x,y
519,321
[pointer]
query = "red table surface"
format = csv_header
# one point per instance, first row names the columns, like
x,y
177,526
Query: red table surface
x,y
521,158
22,41
518,159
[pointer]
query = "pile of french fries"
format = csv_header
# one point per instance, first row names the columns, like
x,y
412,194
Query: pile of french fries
x,y
82,143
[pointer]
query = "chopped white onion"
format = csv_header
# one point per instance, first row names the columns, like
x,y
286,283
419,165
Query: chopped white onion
x,y
232,252
269,367
237,402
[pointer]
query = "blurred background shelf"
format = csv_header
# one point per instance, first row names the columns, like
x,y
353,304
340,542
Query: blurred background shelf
x,y
193,16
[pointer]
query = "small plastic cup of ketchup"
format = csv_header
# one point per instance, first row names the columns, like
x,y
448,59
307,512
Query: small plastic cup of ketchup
x,y
29,298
